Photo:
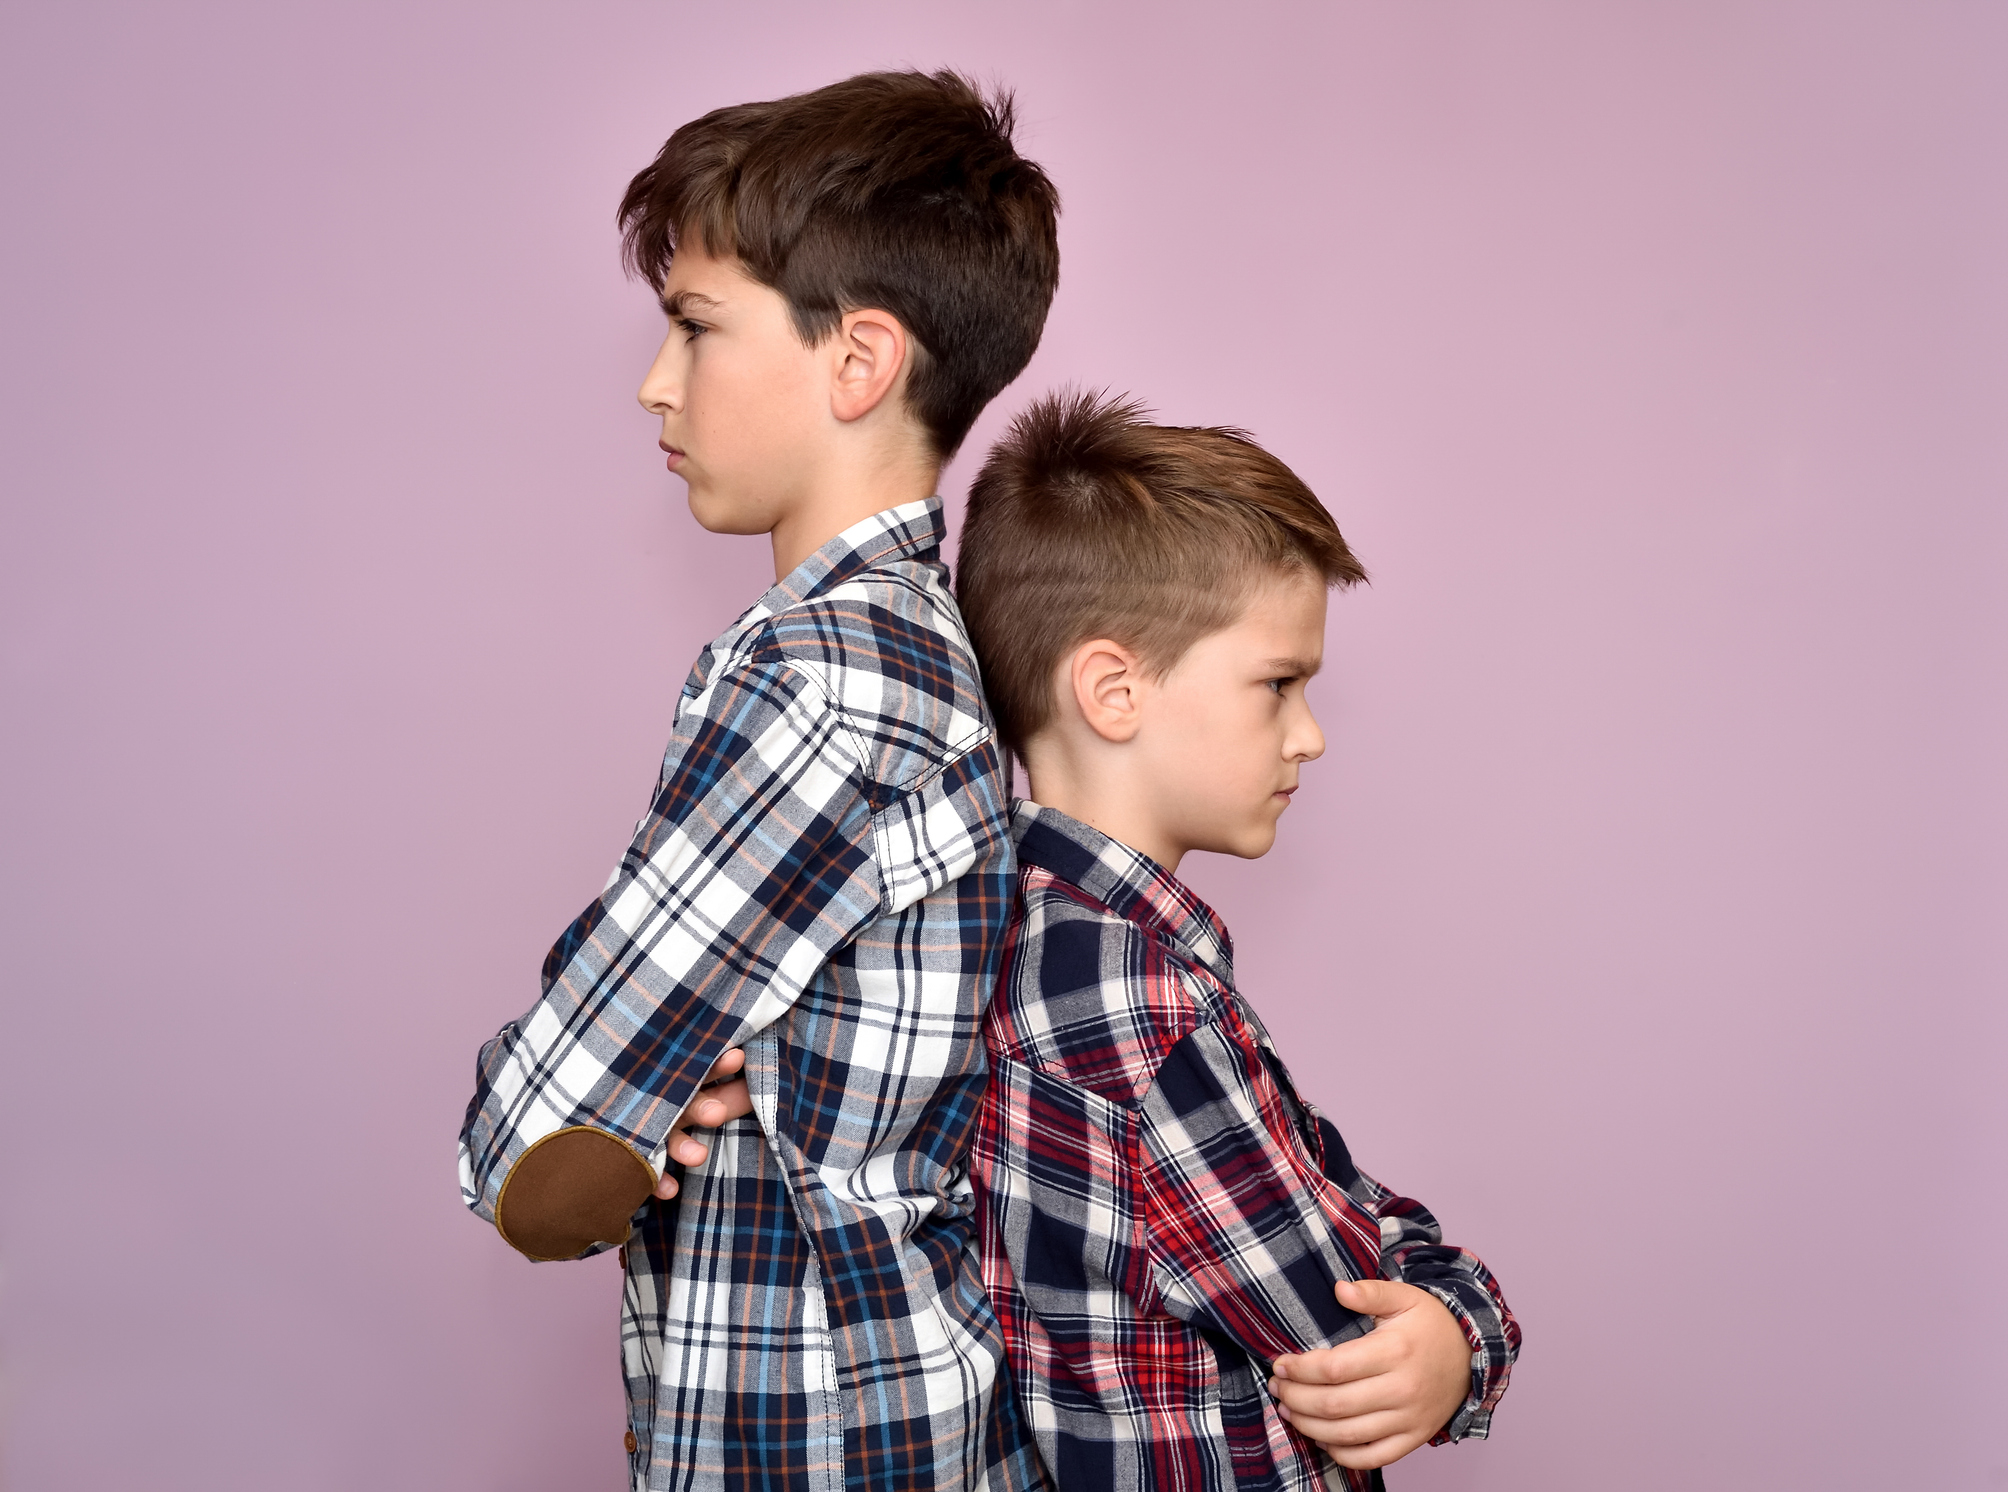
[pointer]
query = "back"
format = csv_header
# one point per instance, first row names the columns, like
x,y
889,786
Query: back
x,y
865,1091
823,878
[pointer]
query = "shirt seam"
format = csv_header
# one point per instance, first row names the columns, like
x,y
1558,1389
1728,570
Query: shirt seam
x,y
1148,1079
1152,925
744,655
809,676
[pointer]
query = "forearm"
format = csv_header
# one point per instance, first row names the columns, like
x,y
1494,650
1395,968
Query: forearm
x,y
753,867
1414,1253
557,1179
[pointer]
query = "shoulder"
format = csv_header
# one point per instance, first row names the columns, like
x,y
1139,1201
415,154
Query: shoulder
x,y
888,650
1088,996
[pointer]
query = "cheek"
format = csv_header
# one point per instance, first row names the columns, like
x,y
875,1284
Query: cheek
x,y
1250,741
1235,723
1222,749
715,382
770,397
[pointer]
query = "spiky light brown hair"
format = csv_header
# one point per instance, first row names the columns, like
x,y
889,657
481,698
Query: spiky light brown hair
x,y
1088,521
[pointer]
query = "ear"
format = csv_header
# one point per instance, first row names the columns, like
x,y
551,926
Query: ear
x,y
1106,680
871,349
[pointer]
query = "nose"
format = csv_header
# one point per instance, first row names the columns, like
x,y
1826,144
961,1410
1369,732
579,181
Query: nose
x,y
1305,740
662,390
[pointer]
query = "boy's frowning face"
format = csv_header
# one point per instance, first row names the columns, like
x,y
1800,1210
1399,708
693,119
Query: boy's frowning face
x,y
742,400
1224,733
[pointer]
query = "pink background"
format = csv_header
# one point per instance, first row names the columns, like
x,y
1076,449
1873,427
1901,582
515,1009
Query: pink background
x,y
1645,917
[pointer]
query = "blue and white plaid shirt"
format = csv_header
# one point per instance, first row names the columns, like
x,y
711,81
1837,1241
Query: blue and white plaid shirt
x,y
824,878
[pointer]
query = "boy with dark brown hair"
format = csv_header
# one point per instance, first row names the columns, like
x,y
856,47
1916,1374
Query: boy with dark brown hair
x,y
1198,1288
823,876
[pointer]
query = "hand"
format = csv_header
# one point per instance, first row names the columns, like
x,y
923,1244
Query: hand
x,y
717,1101
1372,1400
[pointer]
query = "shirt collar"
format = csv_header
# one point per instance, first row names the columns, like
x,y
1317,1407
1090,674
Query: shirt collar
x,y
910,531
1126,881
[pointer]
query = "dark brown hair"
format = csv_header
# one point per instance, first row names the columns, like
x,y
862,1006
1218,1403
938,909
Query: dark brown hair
x,y
899,191
1086,521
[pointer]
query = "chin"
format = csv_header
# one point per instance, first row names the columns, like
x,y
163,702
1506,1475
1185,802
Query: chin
x,y
1261,837
720,515
1250,845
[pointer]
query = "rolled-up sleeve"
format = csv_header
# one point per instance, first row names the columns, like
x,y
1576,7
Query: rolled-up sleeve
x,y
754,865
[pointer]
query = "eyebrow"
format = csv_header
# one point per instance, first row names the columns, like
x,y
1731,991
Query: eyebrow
x,y
1298,668
680,302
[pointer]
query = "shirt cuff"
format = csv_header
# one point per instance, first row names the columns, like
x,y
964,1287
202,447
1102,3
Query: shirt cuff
x,y
1489,1357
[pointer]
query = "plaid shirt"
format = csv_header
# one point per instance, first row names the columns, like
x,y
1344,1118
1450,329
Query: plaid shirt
x,y
823,878
1161,1215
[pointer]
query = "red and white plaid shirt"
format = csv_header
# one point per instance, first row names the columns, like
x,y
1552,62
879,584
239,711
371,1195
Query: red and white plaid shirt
x,y
1160,1214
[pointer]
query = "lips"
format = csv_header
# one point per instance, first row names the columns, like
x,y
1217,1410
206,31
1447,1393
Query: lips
x,y
671,452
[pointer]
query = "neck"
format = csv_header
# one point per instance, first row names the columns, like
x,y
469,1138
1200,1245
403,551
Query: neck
x,y
849,493
1078,782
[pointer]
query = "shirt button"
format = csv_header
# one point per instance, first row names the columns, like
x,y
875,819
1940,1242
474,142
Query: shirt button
x,y
628,1440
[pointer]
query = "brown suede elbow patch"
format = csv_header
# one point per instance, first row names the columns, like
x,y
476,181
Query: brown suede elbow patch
x,y
569,1191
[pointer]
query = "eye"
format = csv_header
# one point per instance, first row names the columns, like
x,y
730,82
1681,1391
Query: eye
x,y
1277,686
691,330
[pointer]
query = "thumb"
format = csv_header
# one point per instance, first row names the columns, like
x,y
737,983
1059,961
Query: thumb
x,y
1373,1297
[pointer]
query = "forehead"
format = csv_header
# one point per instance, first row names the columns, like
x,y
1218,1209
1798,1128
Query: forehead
x,y
695,272
1287,609
1281,630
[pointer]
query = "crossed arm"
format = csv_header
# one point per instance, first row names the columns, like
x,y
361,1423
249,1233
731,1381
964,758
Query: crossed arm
x,y
754,864
1257,1207
1368,1401
1440,1353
